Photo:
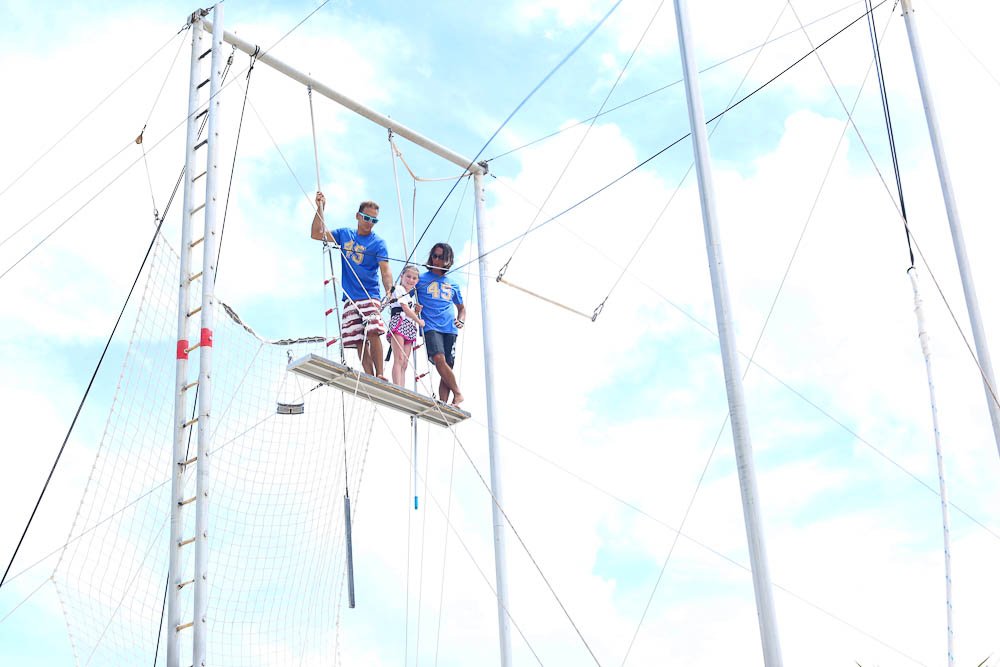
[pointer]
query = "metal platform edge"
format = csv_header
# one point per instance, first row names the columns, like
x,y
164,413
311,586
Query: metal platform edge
x,y
380,392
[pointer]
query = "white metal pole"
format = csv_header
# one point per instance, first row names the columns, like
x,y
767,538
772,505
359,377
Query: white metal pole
x,y
343,100
957,237
734,384
174,575
201,588
499,523
918,308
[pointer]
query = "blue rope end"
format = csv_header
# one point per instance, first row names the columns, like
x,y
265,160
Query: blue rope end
x,y
415,504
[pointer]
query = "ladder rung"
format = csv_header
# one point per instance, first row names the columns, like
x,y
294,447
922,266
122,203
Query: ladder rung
x,y
195,311
185,626
184,543
194,243
185,583
188,462
199,176
202,84
189,385
194,278
188,423
204,54
201,113
200,144
197,208
187,501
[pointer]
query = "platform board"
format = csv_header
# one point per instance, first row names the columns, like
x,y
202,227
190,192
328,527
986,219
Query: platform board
x,y
348,380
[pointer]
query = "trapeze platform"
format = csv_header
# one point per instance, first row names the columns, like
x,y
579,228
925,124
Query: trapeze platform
x,y
348,380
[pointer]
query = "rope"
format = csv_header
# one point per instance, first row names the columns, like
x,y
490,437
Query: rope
x,y
451,476
138,140
65,194
92,110
579,145
649,232
991,391
715,552
669,85
393,154
95,196
760,335
961,42
676,141
453,529
312,122
79,408
399,154
918,307
236,149
511,115
888,121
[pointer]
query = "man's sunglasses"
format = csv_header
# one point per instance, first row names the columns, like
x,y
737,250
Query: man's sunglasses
x,y
368,218
437,255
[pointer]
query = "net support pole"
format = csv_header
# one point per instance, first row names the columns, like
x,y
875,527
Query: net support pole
x,y
210,245
178,467
763,593
499,523
957,237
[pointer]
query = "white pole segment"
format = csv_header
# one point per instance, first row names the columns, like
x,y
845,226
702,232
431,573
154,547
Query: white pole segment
x,y
174,575
499,523
918,307
957,237
734,384
205,372
344,101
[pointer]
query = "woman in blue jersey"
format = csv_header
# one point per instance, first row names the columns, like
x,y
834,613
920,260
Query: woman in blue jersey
x,y
436,293
363,259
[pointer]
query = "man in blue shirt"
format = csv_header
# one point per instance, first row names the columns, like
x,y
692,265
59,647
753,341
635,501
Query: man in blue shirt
x,y
436,293
363,256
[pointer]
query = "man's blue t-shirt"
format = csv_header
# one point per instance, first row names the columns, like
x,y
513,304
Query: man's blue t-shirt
x,y
359,258
436,294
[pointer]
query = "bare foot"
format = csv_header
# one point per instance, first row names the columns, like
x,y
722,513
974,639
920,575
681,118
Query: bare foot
x,y
457,399
382,378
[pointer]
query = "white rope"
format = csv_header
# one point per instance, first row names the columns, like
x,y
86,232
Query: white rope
x,y
393,153
918,308
399,154
451,527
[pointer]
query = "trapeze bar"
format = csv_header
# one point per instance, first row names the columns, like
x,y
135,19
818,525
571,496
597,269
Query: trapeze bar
x,y
350,381
346,102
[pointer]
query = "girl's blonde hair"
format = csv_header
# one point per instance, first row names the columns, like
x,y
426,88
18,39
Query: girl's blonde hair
x,y
409,267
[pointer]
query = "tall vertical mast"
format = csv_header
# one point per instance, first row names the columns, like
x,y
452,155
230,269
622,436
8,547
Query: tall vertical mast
x,y
734,383
185,534
499,523
209,245
957,237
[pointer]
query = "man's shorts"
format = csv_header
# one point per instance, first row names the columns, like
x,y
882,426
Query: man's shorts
x,y
438,342
361,319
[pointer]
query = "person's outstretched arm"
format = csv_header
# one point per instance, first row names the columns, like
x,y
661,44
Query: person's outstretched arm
x,y
319,231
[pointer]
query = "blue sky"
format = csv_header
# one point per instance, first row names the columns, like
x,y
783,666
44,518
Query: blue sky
x,y
631,404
